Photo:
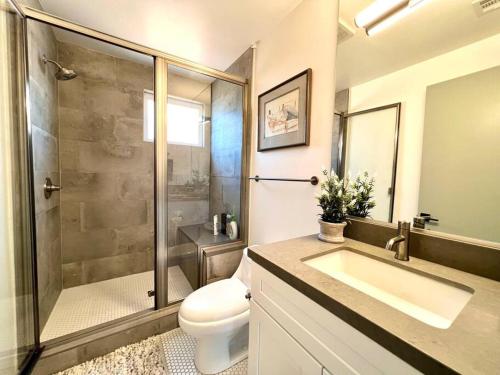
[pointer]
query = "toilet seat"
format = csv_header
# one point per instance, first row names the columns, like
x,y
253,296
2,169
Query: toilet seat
x,y
215,308
217,301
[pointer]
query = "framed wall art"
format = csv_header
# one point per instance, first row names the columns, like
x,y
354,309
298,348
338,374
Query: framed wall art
x,y
284,113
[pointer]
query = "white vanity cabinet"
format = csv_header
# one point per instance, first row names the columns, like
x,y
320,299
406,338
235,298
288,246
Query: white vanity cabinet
x,y
291,334
277,351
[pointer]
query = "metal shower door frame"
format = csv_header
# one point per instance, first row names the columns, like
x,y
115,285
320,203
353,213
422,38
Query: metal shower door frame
x,y
27,198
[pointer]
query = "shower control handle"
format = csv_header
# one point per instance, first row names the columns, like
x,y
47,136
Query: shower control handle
x,y
49,187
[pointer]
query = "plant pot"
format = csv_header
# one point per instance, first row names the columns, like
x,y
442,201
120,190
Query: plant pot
x,y
232,230
331,232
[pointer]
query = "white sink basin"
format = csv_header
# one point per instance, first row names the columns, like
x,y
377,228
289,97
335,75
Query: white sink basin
x,y
428,299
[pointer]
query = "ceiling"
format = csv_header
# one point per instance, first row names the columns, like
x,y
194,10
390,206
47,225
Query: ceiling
x,y
214,33
438,26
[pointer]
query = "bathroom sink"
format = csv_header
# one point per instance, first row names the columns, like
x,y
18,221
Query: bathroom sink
x,y
432,300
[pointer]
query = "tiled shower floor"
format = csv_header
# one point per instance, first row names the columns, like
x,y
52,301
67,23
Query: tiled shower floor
x,y
88,305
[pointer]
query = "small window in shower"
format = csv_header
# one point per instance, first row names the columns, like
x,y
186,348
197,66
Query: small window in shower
x,y
185,121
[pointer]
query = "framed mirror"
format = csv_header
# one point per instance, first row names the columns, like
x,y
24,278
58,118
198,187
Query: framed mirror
x,y
446,77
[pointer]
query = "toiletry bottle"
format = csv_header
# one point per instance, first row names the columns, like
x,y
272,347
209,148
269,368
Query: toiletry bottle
x,y
223,221
216,224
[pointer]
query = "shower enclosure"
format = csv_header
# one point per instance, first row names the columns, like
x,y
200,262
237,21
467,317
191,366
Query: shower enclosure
x,y
131,152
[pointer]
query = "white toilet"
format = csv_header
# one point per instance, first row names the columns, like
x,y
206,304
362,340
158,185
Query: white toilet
x,y
217,315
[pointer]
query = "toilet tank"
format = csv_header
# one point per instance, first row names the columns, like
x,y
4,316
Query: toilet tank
x,y
243,271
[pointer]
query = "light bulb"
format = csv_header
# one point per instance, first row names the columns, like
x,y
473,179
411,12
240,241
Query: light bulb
x,y
378,10
392,19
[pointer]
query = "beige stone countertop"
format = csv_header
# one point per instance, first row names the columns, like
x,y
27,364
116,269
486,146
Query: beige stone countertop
x,y
471,345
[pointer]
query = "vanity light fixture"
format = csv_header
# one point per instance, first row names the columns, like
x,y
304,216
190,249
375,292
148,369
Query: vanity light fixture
x,y
384,13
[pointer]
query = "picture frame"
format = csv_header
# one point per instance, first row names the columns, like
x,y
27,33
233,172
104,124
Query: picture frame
x,y
284,114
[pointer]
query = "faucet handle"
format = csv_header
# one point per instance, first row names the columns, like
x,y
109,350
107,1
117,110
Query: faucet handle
x,y
419,222
428,217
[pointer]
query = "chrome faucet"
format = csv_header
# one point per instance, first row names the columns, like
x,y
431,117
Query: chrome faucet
x,y
401,242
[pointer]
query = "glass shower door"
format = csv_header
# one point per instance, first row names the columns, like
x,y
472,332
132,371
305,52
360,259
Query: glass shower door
x,y
204,147
18,341
93,179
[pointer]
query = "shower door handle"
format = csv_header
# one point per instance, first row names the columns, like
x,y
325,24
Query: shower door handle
x,y
49,187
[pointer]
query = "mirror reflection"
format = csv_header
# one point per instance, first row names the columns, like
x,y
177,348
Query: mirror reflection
x,y
369,145
445,156
460,175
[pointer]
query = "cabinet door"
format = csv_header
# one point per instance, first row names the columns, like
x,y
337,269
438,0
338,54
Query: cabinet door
x,y
273,351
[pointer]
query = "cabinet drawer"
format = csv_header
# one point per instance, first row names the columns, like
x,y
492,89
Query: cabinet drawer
x,y
340,348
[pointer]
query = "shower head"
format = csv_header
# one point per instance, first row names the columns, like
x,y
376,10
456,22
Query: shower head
x,y
65,74
62,73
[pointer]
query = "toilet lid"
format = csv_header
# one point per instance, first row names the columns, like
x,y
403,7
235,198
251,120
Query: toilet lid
x,y
217,301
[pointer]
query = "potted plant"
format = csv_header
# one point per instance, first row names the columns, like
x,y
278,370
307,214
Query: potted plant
x,y
361,194
333,200
231,224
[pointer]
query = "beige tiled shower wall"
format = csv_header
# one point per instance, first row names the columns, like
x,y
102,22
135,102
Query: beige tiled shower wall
x,y
106,167
45,140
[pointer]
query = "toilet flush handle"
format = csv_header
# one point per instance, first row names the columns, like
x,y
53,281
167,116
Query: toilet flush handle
x,y
248,295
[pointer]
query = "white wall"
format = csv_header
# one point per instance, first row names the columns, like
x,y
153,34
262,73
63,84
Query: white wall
x,y
306,38
409,87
